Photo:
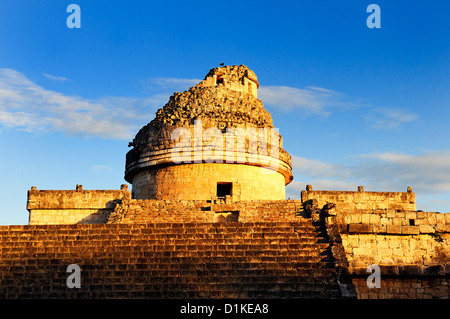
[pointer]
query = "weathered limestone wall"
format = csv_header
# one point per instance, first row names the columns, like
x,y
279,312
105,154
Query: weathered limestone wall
x,y
171,211
411,248
199,182
404,287
72,206
396,222
348,201
422,250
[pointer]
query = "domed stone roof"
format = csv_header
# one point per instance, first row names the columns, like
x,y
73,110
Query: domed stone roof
x,y
226,100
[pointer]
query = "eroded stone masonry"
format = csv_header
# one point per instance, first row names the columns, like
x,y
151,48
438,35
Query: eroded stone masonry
x,y
207,218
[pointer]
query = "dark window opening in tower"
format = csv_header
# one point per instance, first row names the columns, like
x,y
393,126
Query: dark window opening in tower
x,y
219,80
224,189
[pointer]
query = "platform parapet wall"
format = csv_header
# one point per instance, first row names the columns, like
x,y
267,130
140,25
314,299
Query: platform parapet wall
x,y
416,238
414,260
352,201
73,206
411,248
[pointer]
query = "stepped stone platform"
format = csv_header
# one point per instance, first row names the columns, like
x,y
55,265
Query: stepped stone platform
x,y
170,260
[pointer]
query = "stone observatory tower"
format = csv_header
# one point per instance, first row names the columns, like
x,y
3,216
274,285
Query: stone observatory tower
x,y
214,140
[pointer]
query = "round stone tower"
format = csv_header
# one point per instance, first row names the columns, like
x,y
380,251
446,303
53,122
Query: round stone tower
x,y
213,140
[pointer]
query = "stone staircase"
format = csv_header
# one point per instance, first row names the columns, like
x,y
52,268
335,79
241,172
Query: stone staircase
x,y
168,260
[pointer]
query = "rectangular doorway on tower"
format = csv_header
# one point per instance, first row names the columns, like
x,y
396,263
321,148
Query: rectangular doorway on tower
x,y
224,189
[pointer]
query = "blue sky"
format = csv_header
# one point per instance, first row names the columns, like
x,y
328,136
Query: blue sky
x,y
356,106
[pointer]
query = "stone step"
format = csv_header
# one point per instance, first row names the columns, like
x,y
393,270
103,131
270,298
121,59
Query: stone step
x,y
105,292
198,265
285,259
6,241
89,279
180,239
140,277
96,229
205,256
15,259
170,233
57,268
169,245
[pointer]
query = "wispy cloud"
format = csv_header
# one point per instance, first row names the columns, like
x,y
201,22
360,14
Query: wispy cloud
x,y
27,106
427,173
389,118
313,100
55,78
101,168
322,101
322,175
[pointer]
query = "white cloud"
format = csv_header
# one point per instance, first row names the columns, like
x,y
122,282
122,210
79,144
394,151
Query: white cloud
x,y
321,175
322,101
318,169
101,168
389,118
427,173
27,106
314,100
55,78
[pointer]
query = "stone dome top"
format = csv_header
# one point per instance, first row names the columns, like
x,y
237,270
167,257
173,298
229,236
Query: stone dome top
x,y
225,99
233,73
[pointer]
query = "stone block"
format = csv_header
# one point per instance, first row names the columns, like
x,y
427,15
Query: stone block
x,y
426,229
381,229
434,270
360,228
374,219
421,215
388,270
390,213
411,270
394,229
447,218
411,215
365,218
355,218
432,218
440,218
410,230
